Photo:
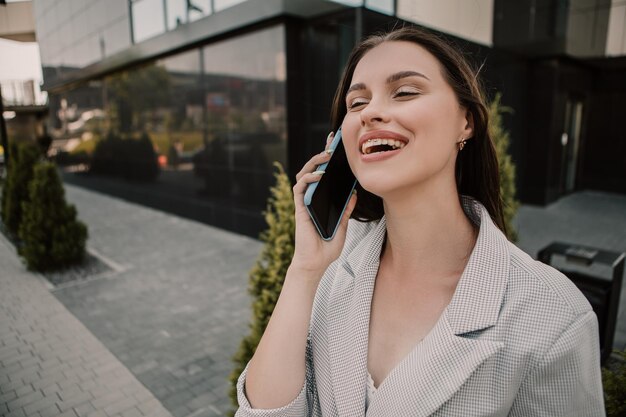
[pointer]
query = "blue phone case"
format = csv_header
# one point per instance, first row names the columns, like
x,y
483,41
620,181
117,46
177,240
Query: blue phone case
x,y
308,194
310,190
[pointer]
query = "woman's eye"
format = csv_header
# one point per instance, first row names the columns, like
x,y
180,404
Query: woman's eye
x,y
406,93
356,103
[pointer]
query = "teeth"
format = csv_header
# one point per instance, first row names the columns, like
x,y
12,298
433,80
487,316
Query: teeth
x,y
365,147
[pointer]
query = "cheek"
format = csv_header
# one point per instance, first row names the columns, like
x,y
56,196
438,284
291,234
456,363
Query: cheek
x,y
349,132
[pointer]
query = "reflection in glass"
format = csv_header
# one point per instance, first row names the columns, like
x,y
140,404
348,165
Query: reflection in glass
x,y
225,4
176,13
214,119
245,97
354,3
383,6
199,9
148,19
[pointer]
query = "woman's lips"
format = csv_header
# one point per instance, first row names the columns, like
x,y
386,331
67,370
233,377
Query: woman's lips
x,y
381,140
380,145
379,156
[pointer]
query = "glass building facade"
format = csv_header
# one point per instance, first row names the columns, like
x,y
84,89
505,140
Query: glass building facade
x,y
222,89
216,116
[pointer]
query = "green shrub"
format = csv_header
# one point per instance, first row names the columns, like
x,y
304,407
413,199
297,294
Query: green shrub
x,y
267,276
132,159
143,161
105,157
614,382
24,155
501,140
52,237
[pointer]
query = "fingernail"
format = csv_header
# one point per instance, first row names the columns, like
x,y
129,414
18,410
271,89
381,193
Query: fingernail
x,y
354,192
329,151
329,136
318,172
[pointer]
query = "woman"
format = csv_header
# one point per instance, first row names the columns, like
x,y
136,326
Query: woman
x,y
422,307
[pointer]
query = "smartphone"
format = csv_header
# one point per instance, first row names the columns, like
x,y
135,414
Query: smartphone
x,y
326,199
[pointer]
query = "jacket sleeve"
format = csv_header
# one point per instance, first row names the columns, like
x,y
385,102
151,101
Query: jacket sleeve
x,y
567,380
301,406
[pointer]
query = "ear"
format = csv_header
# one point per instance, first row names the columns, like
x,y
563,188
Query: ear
x,y
468,129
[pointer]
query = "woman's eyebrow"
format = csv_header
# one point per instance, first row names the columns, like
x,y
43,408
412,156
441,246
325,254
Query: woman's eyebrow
x,y
391,79
404,74
354,87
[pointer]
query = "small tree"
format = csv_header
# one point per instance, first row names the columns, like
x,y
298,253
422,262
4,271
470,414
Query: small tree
x,y
267,276
24,156
501,141
614,382
52,236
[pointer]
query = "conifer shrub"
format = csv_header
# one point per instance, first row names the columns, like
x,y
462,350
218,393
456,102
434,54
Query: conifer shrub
x,y
132,159
502,140
24,155
52,237
268,274
106,155
141,159
614,382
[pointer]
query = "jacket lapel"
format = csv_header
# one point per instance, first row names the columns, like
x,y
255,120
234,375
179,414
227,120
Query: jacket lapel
x,y
438,366
348,322
430,374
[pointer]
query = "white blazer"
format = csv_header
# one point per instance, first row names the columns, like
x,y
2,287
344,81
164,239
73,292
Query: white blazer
x,y
517,339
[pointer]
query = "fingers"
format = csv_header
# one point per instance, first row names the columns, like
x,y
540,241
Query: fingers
x,y
329,139
305,180
312,164
316,160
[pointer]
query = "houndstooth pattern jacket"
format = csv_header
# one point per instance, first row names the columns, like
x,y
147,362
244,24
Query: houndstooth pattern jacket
x,y
517,339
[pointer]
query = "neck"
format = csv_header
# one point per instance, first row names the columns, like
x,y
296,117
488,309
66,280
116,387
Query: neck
x,y
429,237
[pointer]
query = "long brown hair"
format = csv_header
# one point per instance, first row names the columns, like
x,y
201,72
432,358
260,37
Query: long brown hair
x,y
477,172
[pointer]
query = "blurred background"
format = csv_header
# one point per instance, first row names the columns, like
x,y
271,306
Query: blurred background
x,y
222,88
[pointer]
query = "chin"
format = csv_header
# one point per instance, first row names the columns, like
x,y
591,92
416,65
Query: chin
x,y
379,186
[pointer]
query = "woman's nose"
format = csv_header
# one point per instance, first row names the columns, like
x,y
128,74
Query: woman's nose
x,y
374,112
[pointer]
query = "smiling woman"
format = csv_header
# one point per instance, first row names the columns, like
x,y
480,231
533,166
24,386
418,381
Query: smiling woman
x,y
420,306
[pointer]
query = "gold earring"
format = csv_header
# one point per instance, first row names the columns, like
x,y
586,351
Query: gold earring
x,y
462,144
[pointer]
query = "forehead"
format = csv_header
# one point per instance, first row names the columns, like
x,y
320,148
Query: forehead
x,y
394,56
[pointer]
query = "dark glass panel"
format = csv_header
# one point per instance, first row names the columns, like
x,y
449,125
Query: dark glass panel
x,y
244,86
208,138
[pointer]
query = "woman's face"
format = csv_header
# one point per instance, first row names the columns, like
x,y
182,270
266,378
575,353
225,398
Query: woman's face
x,y
403,120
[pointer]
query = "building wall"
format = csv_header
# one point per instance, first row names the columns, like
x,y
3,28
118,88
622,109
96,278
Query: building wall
x,y
616,36
217,112
471,20
216,117
75,33
587,27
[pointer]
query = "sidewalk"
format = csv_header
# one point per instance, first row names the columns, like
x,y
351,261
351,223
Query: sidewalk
x,y
173,307
50,364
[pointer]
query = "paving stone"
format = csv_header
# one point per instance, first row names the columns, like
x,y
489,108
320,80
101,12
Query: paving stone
x,y
25,400
133,412
181,347
167,259
41,404
41,350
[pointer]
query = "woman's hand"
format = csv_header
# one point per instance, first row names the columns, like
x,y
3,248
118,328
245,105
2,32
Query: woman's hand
x,y
313,254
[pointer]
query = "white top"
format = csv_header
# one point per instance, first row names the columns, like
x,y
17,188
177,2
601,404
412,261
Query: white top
x,y
371,390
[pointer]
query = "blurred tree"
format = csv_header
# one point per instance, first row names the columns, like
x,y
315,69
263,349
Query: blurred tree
x,y
139,92
24,155
52,237
267,276
614,382
501,139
